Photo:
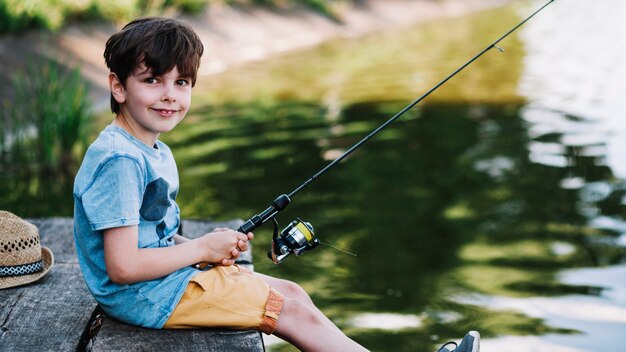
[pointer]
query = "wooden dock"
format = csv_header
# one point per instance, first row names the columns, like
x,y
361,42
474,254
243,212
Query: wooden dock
x,y
57,313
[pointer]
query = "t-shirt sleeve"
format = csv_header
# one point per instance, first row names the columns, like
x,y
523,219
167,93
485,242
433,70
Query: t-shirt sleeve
x,y
113,198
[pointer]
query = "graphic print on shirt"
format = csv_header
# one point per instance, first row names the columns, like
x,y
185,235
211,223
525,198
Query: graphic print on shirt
x,y
156,201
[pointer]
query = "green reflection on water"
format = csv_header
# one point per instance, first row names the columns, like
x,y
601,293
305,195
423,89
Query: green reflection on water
x,y
445,203
395,65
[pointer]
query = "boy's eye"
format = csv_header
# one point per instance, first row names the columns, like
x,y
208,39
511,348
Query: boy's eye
x,y
182,82
150,80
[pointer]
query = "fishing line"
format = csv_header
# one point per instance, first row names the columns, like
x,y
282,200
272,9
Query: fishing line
x,y
337,248
299,236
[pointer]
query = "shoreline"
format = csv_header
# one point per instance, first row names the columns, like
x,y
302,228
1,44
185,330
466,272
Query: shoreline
x,y
231,35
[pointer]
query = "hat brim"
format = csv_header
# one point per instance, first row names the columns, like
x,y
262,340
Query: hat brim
x,y
47,259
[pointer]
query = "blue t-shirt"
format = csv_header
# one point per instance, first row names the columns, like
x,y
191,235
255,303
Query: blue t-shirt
x,y
124,182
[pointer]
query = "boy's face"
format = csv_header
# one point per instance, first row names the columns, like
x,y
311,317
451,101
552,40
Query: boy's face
x,y
152,104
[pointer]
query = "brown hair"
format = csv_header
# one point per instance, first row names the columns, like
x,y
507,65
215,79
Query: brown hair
x,y
159,43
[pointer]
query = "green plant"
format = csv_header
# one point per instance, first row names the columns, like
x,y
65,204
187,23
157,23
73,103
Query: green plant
x,y
18,15
45,122
15,17
189,6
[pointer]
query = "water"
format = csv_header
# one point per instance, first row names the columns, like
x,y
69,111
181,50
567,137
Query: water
x,y
497,204
574,82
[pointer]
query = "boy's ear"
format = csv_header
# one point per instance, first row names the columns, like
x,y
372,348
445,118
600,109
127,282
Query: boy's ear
x,y
117,88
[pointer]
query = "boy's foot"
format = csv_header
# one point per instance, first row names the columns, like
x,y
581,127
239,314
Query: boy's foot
x,y
470,343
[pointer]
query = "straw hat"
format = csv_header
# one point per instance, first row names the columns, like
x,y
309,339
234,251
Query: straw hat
x,y
22,258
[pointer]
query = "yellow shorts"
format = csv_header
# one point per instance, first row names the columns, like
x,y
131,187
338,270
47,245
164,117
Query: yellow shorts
x,y
227,297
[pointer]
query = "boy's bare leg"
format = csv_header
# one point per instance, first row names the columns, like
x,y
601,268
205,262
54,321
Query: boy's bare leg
x,y
294,291
303,324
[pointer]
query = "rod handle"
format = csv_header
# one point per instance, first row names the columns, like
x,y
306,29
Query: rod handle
x,y
280,203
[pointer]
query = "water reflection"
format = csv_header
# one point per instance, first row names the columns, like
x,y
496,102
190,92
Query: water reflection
x,y
447,203
574,85
461,214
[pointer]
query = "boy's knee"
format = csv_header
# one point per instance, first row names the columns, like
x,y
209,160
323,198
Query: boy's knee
x,y
293,290
297,314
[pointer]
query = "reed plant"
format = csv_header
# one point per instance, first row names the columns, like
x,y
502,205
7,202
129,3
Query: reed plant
x,y
44,128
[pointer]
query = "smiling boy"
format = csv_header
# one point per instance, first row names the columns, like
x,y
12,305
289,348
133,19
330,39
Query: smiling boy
x,y
126,217
150,104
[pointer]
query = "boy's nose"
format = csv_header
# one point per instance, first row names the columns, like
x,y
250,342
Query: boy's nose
x,y
168,94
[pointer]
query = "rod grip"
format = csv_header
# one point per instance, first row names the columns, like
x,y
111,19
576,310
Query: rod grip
x,y
250,225
280,203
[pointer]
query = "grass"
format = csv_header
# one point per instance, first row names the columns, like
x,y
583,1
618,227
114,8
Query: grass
x,y
19,15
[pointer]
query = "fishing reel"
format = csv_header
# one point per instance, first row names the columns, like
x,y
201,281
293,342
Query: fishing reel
x,y
297,238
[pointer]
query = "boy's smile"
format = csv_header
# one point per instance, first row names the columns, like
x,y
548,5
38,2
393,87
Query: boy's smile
x,y
150,105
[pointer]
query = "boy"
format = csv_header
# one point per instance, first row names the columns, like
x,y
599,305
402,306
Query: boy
x,y
126,217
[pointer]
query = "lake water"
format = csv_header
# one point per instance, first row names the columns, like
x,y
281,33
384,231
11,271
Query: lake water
x,y
497,204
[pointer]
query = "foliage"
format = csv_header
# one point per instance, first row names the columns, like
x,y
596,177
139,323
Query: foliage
x,y
46,118
43,128
17,15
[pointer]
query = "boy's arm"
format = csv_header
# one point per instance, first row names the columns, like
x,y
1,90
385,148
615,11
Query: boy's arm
x,y
178,239
126,263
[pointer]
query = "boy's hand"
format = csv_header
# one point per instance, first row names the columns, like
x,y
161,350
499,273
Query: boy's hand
x,y
223,245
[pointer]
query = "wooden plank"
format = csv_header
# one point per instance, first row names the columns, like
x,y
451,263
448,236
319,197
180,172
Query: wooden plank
x,y
53,313
117,336
48,315
114,335
58,235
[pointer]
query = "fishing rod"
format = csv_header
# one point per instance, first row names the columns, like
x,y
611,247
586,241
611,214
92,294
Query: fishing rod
x,y
299,235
